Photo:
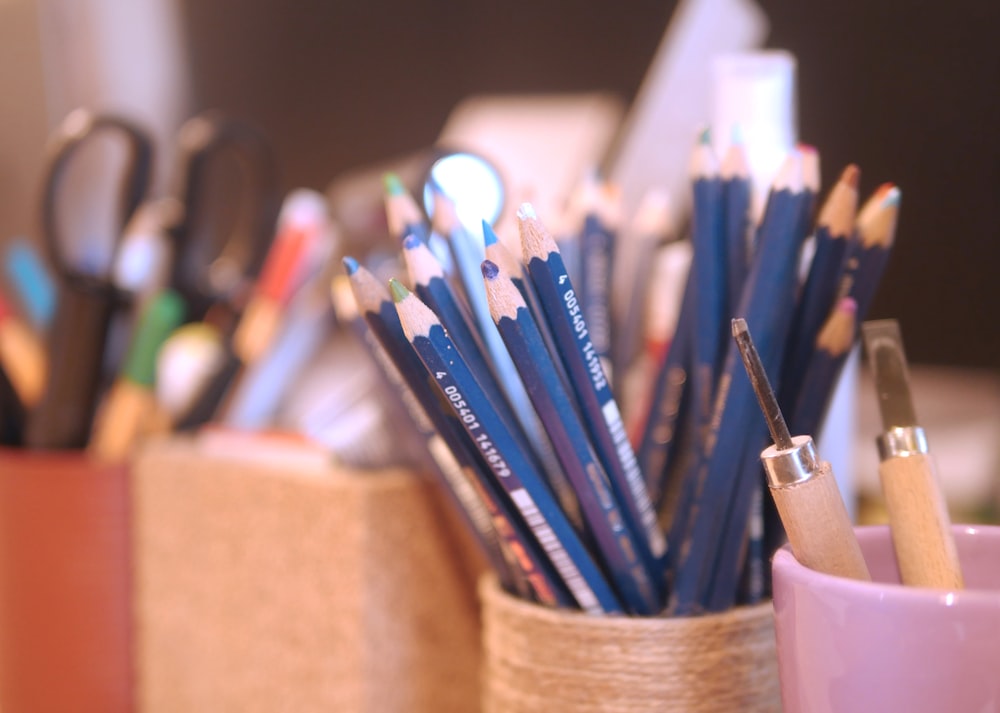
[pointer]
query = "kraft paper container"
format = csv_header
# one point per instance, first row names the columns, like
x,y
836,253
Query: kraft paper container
x,y
65,640
262,588
542,660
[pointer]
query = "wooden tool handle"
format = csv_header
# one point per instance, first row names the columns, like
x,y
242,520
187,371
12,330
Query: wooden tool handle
x,y
921,529
818,526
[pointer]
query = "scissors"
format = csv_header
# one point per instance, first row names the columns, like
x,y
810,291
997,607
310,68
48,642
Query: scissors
x,y
227,221
210,266
87,298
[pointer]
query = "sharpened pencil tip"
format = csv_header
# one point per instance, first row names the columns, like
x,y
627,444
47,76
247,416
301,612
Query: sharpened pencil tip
x,y
526,211
851,175
705,137
411,242
350,264
892,196
398,290
393,185
490,269
489,236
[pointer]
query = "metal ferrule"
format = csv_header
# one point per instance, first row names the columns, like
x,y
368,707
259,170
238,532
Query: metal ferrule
x,y
901,441
788,466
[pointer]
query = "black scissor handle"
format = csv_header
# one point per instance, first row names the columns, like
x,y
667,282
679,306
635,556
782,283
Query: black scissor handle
x,y
79,127
213,264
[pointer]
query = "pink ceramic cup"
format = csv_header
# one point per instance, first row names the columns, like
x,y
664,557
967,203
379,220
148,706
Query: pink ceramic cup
x,y
853,647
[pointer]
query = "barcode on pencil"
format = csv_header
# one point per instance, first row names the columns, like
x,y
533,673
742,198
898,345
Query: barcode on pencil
x,y
557,554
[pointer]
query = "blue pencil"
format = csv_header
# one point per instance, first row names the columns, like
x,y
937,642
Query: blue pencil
x,y
736,189
865,263
404,218
615,544
662,437
496,375
509,463
590,386
834,230
709,542
597,255
709,270
487,513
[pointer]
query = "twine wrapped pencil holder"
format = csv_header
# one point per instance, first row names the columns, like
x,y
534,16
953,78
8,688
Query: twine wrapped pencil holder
x,y
262,586
539,659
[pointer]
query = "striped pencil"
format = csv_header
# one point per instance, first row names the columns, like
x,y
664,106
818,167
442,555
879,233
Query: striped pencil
x,y
496,528
591,389
615,544
710,531
497,375
508,461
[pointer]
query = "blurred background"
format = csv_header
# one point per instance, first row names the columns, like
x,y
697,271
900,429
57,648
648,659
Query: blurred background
x,y
906,90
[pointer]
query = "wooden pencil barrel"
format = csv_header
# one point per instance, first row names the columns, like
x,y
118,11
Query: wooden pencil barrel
x,y
65,618
538,659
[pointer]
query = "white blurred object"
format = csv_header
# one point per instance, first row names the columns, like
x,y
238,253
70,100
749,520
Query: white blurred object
x,y
754,93
675,97
126,58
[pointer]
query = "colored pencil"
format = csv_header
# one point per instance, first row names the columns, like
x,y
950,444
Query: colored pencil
x,y
404,218
614,542
508,462
602,205
498,377
648,232
457,464
708,239
736,187
592,391
709,532
865,263
834,231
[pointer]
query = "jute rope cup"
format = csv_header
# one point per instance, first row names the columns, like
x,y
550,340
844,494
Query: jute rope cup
x,y
548,660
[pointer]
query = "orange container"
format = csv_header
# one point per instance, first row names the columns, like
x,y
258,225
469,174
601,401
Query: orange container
x,y
65,619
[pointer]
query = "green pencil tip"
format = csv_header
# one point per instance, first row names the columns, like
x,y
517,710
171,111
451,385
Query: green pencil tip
x,y
892,197
398,290
393,186
489,237
350,264
705,137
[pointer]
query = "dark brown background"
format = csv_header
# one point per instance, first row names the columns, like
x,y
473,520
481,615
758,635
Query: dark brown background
x,y
908,90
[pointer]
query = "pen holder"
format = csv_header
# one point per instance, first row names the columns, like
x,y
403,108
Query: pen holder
x,y
845,645
264,587
542,659
65,639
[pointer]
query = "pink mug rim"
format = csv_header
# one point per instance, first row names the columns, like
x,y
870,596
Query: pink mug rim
x,y
786,568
